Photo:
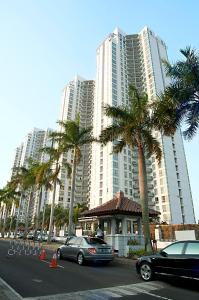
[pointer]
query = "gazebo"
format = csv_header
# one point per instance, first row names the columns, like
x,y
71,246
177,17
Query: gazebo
x,y
121,220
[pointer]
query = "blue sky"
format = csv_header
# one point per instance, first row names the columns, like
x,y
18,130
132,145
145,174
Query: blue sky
x,y
44,44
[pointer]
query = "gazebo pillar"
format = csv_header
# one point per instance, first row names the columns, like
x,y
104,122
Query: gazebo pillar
x,y
124,227
139,222
113,226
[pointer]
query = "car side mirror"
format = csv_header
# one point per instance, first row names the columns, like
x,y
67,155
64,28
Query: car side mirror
x,y
163,253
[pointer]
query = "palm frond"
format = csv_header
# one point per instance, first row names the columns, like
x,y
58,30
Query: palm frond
x,y
111,133
151,145
118,146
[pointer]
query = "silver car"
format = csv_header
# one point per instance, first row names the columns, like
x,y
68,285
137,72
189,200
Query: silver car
x,y
85,248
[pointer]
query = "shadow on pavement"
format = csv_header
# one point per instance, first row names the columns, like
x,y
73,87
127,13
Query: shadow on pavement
x,y
183,283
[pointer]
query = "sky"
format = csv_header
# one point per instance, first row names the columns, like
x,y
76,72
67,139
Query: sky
x,y
44,44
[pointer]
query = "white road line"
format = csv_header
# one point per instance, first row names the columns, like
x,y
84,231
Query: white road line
x,y
151,294
123,291
106,293
48,262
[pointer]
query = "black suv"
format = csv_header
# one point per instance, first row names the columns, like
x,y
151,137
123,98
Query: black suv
x,y
178,259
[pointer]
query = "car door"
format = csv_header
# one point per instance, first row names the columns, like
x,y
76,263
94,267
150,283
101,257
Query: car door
x,y
171,259
191,265
67,250
75,247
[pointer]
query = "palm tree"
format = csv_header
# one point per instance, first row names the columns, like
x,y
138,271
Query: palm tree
x,y
78,209
61,217
54,157
72,138
181,97
133,126
42,173
10,198
47,179
22,181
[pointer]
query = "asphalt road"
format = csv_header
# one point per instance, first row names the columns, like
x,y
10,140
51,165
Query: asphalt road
x,y
34,279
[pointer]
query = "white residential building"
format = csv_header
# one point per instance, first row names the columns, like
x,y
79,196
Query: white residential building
x,y
137,59
30,148
77,99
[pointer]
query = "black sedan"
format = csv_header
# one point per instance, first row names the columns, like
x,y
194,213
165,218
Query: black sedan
x,y
178,259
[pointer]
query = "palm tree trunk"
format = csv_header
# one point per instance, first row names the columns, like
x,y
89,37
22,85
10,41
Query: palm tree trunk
x,y
27,214
18,214
4,223
11,219
144,197
38,212
52,212
43,220
70,225
1,215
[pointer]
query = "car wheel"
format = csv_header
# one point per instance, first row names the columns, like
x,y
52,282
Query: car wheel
x,y
146,271
59,254
80,259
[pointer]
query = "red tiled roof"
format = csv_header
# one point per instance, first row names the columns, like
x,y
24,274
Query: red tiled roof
x,y
118,205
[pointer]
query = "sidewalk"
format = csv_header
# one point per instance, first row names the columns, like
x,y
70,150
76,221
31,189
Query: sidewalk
x,y
7,293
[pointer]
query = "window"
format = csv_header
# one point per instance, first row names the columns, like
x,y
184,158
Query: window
x,y
162,190
164,208
192,248
115,172
78,241
115,181
175,248
115,164
72,241
163,199
94,241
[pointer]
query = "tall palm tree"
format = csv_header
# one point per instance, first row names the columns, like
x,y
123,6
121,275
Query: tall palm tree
x,y
54,162
43,174
72,138
61,217
181,98
133,126
78,209
22,181
47,184
10,198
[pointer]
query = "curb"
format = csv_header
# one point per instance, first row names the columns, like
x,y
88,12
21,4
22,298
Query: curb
x,y
7,292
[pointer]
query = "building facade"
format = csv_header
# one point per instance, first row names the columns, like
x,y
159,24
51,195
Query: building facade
x,y
77,100
33,142
137,59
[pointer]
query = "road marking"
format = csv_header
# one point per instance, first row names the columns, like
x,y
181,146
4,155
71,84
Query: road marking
x,y
45,261
37,280
107,293
141,291
8,291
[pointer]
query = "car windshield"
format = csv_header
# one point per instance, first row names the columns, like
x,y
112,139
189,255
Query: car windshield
x,y
94,241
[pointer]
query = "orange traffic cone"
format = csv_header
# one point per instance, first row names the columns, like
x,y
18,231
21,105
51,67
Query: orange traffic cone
x,y
43,255
53,263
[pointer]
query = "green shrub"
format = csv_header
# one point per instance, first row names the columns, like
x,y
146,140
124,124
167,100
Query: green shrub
x,y
139,252
133,242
